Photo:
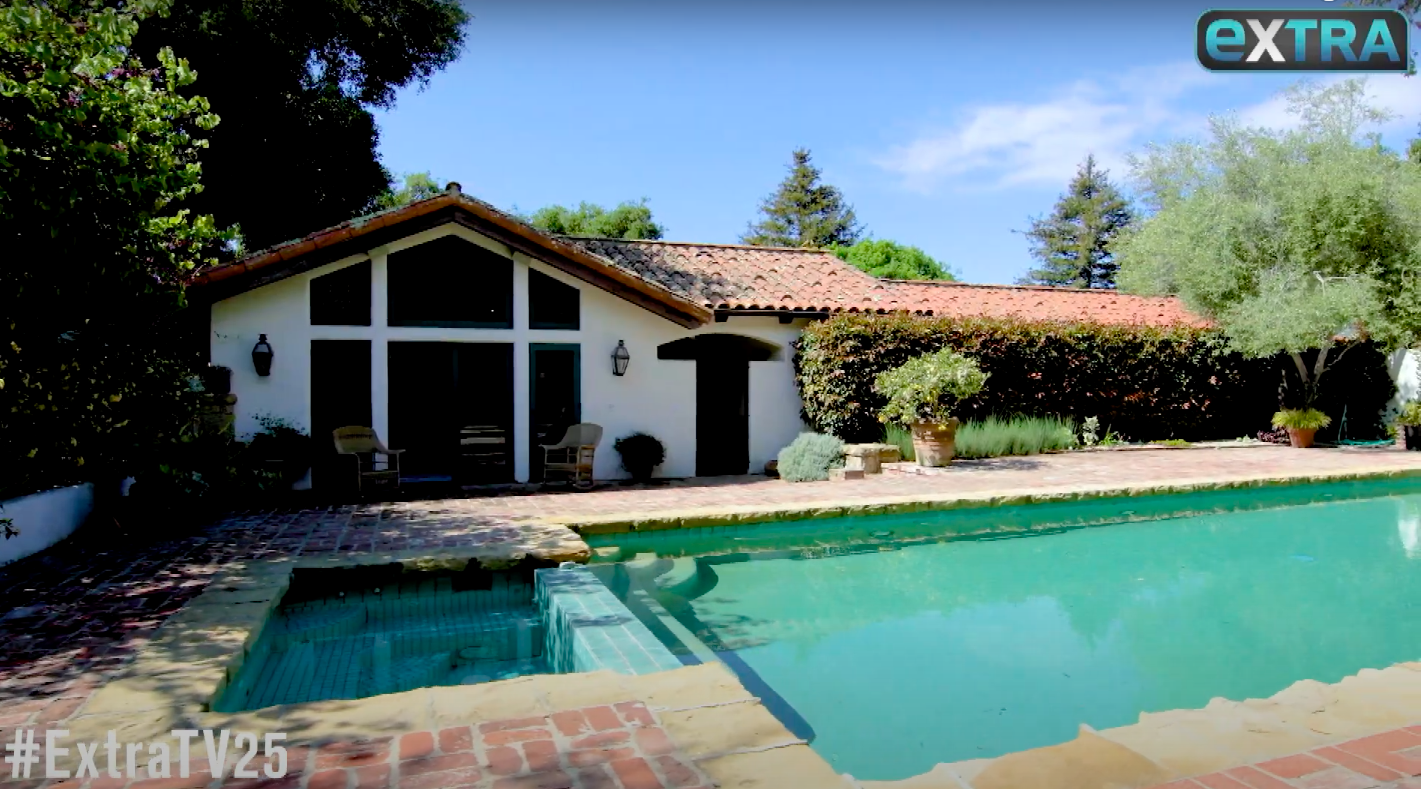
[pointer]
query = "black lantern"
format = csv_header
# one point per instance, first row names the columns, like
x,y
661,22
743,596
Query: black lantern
x,y
620,358
261,356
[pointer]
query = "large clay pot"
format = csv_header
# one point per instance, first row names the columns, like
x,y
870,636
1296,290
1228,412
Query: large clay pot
x,y
1301,437
933,443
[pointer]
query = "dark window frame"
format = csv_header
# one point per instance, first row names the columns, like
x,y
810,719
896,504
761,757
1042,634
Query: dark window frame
x,y
494,271
551,288
329,311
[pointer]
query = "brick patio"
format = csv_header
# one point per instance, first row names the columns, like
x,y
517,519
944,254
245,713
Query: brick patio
x,y
1389,759
73,615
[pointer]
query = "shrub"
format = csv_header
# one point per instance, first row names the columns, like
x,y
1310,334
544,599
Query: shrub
x,y
809,457
1143,383
640,454
928,387
1301,419
1018,435
902,438
1410,415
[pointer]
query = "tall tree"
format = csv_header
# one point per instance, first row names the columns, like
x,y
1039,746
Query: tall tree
x,y
804,212
413,187
1072,243
628,220
98,149
295,82
891,260
1286,238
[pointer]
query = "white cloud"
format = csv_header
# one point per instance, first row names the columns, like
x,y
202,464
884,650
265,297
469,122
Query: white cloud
x,y
1022,143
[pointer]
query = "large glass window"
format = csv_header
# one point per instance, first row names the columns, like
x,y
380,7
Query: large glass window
x,y
342,298
450,282
551,304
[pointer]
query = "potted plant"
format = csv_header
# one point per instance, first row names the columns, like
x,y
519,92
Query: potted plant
x,y
1302,424
640,454
921,395
282,449
1408,427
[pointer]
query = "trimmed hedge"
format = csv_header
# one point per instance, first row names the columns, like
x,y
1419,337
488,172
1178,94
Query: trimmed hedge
x,y
1144,383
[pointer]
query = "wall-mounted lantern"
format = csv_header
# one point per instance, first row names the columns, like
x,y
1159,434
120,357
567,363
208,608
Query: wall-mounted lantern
x,y
261,356
620,359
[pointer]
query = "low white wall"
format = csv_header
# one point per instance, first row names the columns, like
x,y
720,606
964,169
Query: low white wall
x,y
44,519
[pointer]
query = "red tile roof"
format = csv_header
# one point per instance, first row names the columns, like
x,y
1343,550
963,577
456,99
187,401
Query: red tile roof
x,y
743,278
696,279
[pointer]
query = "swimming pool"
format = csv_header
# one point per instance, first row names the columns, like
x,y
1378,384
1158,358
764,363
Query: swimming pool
x,y
895,643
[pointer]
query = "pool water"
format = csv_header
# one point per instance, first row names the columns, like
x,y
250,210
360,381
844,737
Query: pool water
x,y
409,632
896,655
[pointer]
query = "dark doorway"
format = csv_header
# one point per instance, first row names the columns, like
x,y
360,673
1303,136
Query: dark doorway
x,y
340,397
722,397
451,410
722,415
555,395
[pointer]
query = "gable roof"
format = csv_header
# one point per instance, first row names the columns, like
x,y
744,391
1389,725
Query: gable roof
x,y
358,236
733,278
691,283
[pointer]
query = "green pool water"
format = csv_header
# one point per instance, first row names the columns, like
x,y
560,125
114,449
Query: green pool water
x,y
901,651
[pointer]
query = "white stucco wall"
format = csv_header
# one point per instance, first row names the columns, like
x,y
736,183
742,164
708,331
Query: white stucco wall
x,y
43,519
655,396
1404,365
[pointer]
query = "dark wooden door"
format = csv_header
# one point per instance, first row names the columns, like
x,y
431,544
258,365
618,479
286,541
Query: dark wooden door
x,y
340,397
421,401
555,396
483,413
722,415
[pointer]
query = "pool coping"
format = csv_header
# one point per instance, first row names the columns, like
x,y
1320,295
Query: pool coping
x,y
741,515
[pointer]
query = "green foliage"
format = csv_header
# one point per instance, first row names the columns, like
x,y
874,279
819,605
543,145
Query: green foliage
x,y
928,387
1073,242
296,82
1410,414
891,260
413,188
97,150
900,437
1173,442
1286,238
1144,383
283,448
208,468
1015,435
640,453
1301,419
809,457
803,212
628,220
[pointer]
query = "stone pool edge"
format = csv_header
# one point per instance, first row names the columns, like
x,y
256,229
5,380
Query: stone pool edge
x,y
707,517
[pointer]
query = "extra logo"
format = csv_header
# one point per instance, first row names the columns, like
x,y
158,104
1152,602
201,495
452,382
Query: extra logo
x,y
1345,39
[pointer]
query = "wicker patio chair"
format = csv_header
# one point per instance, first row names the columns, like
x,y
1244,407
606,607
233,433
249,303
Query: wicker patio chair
x,y
573,455
365,447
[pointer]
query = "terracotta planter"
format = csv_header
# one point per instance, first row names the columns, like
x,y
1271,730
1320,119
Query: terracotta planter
x,y
934,444
1301,437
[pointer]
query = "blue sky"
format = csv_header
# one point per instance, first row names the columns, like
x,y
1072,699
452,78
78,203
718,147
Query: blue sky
x,y
946,124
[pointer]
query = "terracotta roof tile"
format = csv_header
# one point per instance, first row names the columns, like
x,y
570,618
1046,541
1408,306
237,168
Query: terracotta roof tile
x,y
728,277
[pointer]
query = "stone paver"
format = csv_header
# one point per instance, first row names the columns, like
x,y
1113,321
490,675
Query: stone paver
x,y
1072,471
1388,759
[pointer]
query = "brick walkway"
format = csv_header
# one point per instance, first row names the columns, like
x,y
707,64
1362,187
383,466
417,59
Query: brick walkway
x,y
607,747
1390,759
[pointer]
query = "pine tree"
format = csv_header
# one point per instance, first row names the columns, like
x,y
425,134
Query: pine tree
x,y
1072,242
804,212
